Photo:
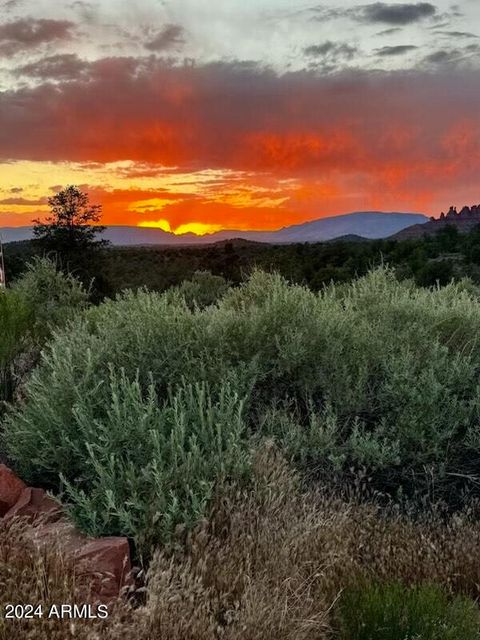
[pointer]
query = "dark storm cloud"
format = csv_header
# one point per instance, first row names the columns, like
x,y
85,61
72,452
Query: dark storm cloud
x,y
169,37
331,50
395,14
66,66
395,51
29,33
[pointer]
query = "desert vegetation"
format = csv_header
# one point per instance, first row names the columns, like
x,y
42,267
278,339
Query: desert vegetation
x,y
438,258
288,463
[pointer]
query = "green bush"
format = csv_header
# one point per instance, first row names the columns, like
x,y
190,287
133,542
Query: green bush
x,y
396,612
54,296
16,319
377,373
202,290
134,465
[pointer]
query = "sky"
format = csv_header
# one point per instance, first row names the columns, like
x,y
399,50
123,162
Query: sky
x,y
195,115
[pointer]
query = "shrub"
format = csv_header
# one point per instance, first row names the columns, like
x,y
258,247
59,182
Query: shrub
x,y
16,319
54,296
202,290
377,374
137,466
395,612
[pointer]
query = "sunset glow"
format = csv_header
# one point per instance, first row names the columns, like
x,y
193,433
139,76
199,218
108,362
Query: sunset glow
x,y
197,228
331,114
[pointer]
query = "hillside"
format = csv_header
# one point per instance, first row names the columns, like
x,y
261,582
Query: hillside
x,y
369,224
465,221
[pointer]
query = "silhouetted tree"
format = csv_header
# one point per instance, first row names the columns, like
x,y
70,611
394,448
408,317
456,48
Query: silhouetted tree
x,y
71,233
72,228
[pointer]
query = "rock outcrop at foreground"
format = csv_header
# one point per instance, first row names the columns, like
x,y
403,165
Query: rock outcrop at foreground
x,y
465,220
103,562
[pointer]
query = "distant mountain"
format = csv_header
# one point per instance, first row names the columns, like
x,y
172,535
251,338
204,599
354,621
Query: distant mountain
x,y
351,237
465,220
367,224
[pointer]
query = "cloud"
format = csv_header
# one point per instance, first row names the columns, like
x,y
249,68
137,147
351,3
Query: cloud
x,y
456,57
458,34
24,202
389,32
395,14
331,49
396,50
9,5
168,38
386,134
28,33
64,66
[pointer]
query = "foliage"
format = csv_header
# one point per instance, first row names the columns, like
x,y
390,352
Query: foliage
x,y
202,290
376,374
55,296
133,465
268,562
16,320
70,234
70,227
437,259
395,612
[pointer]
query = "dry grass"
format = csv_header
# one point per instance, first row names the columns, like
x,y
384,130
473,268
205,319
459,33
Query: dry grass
x,y
267,565
31,576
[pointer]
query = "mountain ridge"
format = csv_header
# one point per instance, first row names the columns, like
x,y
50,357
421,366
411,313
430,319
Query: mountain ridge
x,y
366,224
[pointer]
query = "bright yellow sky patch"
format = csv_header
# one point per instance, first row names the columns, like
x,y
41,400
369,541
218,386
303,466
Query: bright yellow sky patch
x,y
198,228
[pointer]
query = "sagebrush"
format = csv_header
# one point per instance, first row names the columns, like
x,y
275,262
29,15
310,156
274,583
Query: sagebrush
x,y
377,374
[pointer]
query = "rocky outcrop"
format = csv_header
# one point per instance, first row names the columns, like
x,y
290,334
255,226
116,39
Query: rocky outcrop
x,y
464,220
10,489
103,563
33,503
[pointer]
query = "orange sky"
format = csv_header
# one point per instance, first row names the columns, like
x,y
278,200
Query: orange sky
x,y
161,139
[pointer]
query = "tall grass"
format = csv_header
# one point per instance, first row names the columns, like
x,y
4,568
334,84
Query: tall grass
x,y
394,612
271,562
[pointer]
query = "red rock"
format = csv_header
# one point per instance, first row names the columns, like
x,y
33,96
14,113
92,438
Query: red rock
x,y
104,563
60,534
107,562
33,503
10,489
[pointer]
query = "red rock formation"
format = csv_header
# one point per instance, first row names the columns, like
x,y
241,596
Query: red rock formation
x,y
465,221
10,489
104,562
33,503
